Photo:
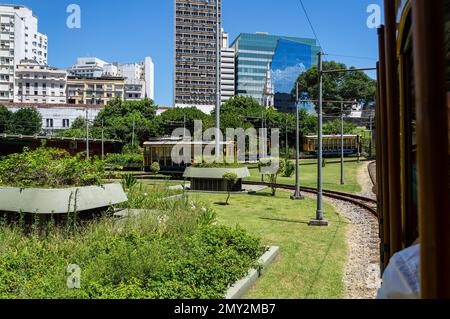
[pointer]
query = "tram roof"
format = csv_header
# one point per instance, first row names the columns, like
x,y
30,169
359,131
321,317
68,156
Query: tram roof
x,y
172,143
328,136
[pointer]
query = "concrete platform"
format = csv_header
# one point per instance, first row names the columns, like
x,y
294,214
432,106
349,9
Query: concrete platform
x,y
61,200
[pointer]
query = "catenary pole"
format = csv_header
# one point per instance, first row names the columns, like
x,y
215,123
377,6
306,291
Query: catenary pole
x,y
319,220
342,144
218,78
297,194
87,133
103,142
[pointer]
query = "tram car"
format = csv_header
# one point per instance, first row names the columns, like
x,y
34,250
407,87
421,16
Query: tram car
x,y
332,145
160,151
413,154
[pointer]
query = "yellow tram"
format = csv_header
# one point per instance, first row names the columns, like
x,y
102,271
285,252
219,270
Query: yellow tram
x,y
160,151
413,156
332,145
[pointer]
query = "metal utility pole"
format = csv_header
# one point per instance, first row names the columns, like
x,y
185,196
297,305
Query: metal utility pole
x,y
263,142
297,195
87,133
371,137
103,143
320,221
132,136
184,127
287,138
342,144
218,78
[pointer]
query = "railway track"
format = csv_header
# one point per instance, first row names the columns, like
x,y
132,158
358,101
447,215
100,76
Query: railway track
x,y
366,203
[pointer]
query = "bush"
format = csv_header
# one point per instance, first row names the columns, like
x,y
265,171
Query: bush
x,y
124,160
289,168
49,167
174,253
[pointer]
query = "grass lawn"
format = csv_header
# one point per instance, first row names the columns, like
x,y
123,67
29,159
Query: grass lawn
x,y
312,260
331,177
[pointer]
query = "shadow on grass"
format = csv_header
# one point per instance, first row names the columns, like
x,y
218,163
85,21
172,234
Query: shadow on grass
x,y
285,220
261,194
221,204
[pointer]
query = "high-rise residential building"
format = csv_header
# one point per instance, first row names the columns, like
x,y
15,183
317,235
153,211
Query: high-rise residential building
x,y
196,29
19,40
288,57
35,83
227,71
139,77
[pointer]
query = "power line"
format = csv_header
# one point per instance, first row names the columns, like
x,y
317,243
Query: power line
x,y
352,56
310,23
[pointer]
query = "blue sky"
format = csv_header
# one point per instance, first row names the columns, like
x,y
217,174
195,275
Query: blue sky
x,y
127,31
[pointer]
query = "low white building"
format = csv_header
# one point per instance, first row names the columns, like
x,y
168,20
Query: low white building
x,y
35,83
56,117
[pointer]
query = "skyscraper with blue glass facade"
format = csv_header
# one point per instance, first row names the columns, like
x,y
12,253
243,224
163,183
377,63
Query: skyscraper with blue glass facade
x,y
288,57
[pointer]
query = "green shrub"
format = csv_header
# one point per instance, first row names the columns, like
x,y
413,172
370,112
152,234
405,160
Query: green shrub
x,y
155,168
174,253
49,167
129,181
124,160
289,168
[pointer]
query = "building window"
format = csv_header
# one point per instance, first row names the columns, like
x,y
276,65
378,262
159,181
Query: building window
x,y
49,123
66,123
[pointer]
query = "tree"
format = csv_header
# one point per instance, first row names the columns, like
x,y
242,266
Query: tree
x,y
26,121
120,117
334,127
5,118
230,180
345,86
79,123
239,112
174,118
273,176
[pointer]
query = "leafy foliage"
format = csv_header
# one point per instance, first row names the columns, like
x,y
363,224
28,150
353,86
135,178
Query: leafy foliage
x,y
334,127
230,180
155,168
273,176
48,167
129,181
174,253
175,118
342,86
5,118
289,168
124,160
26,121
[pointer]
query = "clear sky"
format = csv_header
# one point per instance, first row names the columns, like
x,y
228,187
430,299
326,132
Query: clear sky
x,y
127,31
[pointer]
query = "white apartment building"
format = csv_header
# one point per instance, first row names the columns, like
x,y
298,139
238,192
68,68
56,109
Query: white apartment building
x,y
88,67
139,77
35,83
227,71
19,39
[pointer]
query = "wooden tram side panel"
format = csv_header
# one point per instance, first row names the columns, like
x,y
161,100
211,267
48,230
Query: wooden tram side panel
x,y
432,146
407,117
393,121
382,153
